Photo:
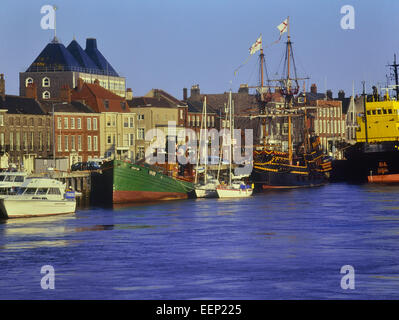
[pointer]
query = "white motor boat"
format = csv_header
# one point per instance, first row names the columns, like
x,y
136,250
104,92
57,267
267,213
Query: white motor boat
x,y
11,181
38,197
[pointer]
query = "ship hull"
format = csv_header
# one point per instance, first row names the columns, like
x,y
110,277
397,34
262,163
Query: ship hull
x,y
373,160
125,182
265,180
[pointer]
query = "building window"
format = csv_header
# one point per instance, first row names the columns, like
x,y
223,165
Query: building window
x,y
65,123
131,122
46,95
109,139
140,133
40,141
59,143
28,81
46,82
59,123
123,105
140,117
72,123
18,136
95,143
73,143
79,123
181,113
106,104
66,140
89,143
79,143
32,140
131,139
11,141
95,126
25,141
126,122
2,140
88,123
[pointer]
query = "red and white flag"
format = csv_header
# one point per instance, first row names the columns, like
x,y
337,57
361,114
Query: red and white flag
x,y
282,27
256,46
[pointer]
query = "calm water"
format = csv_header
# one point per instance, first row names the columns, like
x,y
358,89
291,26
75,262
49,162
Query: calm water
x,y
280,245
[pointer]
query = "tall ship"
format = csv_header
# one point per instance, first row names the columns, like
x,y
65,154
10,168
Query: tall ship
x,y
283,163
374,157
122,181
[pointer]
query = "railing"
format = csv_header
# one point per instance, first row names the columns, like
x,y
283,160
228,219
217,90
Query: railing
x,y
58,68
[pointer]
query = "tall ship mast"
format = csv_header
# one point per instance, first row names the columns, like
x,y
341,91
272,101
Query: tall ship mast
x,y
285,162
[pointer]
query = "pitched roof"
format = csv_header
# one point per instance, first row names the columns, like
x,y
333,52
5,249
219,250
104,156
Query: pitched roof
x,y
73,107
154,93
98,58
54,57
197,106
99,98
21,105
81,56
148,102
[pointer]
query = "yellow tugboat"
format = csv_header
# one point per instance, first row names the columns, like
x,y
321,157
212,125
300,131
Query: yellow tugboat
x,y
375,155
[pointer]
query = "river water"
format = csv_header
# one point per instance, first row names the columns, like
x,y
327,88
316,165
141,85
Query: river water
x,y
276,245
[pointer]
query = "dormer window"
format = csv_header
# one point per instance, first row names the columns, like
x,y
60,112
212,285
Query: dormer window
x,y
106,104
46,95
28,81
46,82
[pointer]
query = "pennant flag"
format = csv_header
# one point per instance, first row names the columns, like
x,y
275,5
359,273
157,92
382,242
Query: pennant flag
x,y
282,27
256,46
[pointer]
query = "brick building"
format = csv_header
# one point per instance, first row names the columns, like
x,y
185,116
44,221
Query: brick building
x,y
116,123
77,131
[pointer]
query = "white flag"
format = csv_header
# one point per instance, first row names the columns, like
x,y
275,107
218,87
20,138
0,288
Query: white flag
x,y
256,46
283,26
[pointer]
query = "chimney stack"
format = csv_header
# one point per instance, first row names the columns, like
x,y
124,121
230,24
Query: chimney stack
x,y
184,94
195,92
129,94
329,95
341,94
243,88
31,91
313,88
65,93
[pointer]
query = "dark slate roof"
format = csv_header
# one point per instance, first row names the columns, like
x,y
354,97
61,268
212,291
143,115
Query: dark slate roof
x,y
81,56
196,107
98,58
314,96
74,106
54,57
21,105
148,102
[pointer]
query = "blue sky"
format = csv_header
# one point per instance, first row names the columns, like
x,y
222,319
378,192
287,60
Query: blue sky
x,y
172,44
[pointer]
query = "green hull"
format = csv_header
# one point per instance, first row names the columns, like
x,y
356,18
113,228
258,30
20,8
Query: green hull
x,y
135,183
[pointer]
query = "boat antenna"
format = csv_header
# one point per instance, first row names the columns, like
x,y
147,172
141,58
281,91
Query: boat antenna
x,y
395,66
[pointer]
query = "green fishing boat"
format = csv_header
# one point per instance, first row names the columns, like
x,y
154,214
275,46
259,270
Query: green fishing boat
x,y
127,182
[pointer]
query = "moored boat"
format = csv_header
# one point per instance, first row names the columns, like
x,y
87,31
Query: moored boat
x,y
127,182
11,181
38,197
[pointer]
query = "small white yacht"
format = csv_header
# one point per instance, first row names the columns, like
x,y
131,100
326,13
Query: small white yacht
x,y
11,181
207,189
235,190
38,197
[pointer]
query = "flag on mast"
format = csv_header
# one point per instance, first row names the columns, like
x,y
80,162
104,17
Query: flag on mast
x,y
282,27
256,46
